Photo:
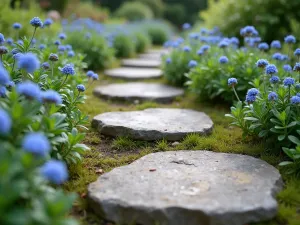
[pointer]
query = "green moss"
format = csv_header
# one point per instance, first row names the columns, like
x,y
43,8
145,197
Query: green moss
x,y
105,152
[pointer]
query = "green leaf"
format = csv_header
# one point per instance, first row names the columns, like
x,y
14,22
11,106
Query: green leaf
x,y
294,139
281,137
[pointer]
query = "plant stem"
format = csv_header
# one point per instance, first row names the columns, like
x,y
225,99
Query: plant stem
x,y
236,95
289,93
52,65
63,82
32,37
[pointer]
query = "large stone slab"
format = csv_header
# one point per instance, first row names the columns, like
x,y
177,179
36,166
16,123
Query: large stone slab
x,y
139,91
188,188
141,63
153,124
158,51
134,73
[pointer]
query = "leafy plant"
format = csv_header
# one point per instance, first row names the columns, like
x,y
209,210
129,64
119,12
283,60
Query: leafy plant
x,y
134,11
123,45
142,42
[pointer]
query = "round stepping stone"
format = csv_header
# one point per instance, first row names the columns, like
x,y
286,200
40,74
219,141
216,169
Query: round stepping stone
x,y
134,73
141,63
188,187
153,124
158,51
150,56
138,91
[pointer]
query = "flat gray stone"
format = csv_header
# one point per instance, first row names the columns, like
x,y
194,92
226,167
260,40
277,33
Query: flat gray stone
x,y
188,187
153,124
139,91
141,63
134,73
158,51
150,56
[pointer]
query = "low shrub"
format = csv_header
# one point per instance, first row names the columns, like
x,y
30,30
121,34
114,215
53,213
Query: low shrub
x,y
134,11
124,45
157,34
98,54
142,42
156,6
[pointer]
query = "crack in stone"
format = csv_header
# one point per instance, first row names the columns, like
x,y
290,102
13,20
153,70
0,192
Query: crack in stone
x,y
181,161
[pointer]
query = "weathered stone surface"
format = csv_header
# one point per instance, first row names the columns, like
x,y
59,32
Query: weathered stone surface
x,y
158,51
153,124
139,91
141,63
134,73
151,56
188,188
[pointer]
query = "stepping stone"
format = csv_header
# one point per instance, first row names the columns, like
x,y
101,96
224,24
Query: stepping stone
x,y
141,63
188,187
154,124
139,91
134,73
150,56
158,51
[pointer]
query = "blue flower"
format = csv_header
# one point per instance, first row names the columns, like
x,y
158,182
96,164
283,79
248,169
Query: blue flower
x,y
248,31
192,64
297,67
263,46
48,22
57,42
251,95
89,73
68,70
3,50
62,36
45,65
3,92
17,26
2,39
290,39
223,44
28,62
15,51
273,96
4,76
168,60
205,48
36,22
288,81
37,144
276,44
68,47
71,53
20,42
232,81
9,41
234,41
80,87
271,69
287,68
53,57
297,52
284,57
55,171
277,56
274,79
200,52
297,86
18,55
95,76
42,46
33,41
61,48
5,122
295,100
262,63
29,89
186,49
186,26
51,96
11,84
223,60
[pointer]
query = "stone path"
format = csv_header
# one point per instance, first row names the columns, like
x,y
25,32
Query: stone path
x,y
139,91
188,187
153,124
134,73
150,56
141,63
